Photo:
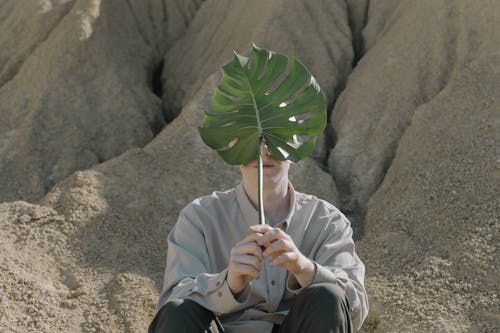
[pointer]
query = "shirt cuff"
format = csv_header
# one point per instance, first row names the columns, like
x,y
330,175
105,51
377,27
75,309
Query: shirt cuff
x,y
321,275
324,275
293,286
223,301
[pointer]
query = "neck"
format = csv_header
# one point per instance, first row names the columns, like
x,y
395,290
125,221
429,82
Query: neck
x,y
276,199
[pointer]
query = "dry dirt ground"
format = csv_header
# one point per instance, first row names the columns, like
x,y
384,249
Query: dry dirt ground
x,y
99,107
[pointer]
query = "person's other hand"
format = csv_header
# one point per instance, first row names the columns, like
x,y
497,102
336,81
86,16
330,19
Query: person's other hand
x,y
283,252
244,265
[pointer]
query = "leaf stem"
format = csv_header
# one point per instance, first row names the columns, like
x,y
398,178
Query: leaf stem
x,y
262,219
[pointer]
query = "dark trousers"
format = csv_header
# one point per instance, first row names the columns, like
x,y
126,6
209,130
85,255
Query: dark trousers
x,y
319,308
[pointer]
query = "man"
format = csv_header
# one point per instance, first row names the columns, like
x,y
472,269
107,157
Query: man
x,y
298,273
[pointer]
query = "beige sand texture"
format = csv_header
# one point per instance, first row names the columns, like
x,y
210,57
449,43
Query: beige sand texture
x,y
99,105
77,92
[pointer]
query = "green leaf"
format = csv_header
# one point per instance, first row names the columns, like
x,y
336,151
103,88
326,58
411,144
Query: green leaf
x,y
271,97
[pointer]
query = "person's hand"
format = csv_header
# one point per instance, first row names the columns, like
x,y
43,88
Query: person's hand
x,y
281,249
244,265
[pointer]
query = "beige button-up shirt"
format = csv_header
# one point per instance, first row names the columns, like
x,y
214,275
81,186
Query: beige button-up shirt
x,y
199,249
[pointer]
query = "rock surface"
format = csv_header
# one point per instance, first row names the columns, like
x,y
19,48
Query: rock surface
x,y
294,27
87,87
78,90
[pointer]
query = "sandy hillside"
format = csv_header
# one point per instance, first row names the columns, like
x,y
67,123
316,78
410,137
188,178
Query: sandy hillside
x,y
99,107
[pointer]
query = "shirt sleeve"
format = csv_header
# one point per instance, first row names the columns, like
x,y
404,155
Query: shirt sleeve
x,y
188,274
337,262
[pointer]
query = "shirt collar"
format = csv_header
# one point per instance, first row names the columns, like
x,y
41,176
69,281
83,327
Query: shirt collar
x,y
251,214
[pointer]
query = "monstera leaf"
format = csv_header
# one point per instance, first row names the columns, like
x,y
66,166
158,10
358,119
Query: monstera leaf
x,y
269,98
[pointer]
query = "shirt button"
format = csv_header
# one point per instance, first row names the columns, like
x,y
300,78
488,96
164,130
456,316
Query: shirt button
x,y
273,282
217,283
219,293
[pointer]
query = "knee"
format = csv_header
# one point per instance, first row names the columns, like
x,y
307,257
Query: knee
x,y
173,308
174,315
177,309
326,300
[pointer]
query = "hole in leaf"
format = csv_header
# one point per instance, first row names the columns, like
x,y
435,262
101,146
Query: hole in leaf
x,y
298,140
283,152
314,83
230,145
